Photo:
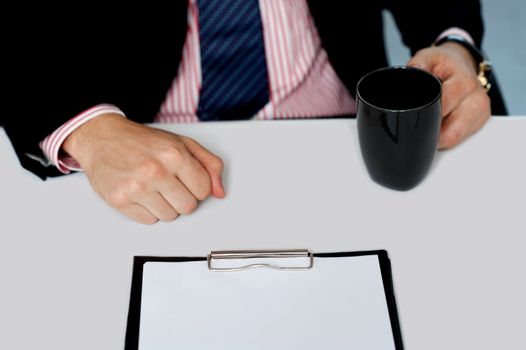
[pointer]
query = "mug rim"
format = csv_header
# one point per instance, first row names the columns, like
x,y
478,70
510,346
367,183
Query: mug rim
x,y
361,99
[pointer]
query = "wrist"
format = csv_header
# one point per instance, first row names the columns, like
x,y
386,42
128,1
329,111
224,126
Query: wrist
x,y
79,143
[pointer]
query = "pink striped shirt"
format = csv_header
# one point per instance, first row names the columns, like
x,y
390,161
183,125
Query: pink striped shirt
x,y
302,82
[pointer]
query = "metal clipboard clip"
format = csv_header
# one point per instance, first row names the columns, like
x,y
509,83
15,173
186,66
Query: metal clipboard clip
x,y
215,258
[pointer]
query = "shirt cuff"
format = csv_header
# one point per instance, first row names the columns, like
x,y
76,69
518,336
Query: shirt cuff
x,y
456,31
51,145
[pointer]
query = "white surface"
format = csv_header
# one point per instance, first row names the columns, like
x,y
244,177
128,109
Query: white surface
x,y
338,304
457,242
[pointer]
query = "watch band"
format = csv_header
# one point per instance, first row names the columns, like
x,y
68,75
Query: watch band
x,y
484,65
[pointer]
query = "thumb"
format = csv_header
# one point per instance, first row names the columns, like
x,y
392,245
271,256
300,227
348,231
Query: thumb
x,y
212,163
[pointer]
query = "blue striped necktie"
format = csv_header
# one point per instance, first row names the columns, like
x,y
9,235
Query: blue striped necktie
x,y
233,65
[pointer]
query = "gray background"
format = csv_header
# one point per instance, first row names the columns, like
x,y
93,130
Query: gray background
x,y
504,42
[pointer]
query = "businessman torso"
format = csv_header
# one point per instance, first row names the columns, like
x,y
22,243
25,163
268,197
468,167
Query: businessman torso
x,y
72,59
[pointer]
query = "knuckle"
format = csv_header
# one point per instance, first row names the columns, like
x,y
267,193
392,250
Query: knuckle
x,y
175,154
151,169
451,89
204,190
134,186
122,195
117,198
189,207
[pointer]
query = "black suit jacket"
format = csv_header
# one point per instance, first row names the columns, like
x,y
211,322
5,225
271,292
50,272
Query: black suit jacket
x,y
69,59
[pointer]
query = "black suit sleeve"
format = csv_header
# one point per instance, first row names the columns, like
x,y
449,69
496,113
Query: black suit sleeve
x,y
64,60
50,82
421,23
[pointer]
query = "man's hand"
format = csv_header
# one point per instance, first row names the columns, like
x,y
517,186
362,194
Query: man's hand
x,y
465,104
145,173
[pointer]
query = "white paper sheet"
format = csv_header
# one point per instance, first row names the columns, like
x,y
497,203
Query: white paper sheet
x,y
339,304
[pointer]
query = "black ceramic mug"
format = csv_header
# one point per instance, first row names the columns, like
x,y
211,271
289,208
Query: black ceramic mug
x,y
399,117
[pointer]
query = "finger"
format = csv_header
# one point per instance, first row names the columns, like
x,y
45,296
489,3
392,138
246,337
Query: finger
x,y
139,213
178,196
457,83
212,163
459,124
453,92
180,162
453,86
485,105
157,206
194,177
427,59
479,124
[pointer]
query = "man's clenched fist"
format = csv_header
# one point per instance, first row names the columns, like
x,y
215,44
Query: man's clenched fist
x,y
145,173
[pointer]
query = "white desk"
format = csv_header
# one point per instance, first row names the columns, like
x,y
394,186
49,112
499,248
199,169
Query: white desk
x,y
457,242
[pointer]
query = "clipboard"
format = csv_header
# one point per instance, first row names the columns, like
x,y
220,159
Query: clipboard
x,y
218,266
